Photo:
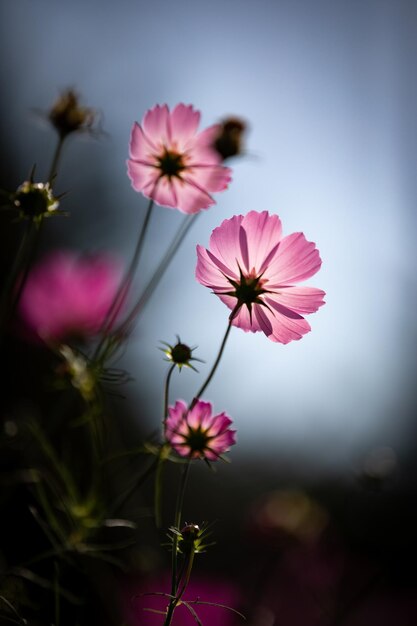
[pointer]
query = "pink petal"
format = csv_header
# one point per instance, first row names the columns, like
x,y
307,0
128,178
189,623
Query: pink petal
x,y
299,299
190,199
208,274
155,125
164,193
198,413
263,319
286,325
209,177
183,122
200,148
143,177
225,243
295,260
243,319
263,232
219,424
140,148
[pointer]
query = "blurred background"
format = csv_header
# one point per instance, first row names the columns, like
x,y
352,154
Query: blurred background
x,y
329,93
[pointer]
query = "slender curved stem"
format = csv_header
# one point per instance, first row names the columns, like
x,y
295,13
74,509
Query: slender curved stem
x,y
32,245
159,272
166,392
219,356
55,159
14,272
127,281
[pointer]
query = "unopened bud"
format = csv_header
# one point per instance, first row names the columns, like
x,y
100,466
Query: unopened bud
x,y
35,200
67,116
228,142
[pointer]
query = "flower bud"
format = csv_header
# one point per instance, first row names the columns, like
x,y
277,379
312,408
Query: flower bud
x,y
228,142
67,116
180,354
192,538
35,200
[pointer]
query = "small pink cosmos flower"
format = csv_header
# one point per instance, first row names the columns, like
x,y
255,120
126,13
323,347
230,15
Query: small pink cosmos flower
x,y
68,295
172,163
252,268
196,433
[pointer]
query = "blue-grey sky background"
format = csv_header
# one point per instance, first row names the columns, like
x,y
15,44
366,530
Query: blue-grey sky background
x,y
329,91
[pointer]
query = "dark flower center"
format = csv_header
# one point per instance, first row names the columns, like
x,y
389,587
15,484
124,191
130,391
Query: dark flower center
x,y
248,289
197,440
171,164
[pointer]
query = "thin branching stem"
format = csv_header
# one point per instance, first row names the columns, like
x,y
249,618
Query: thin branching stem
x,y
177,522
125,284
159,272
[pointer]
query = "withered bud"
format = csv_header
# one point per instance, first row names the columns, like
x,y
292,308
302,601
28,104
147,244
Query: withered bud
x,y
68,116
228,142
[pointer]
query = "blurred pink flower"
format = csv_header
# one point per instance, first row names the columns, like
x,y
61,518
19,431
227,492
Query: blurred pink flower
x,y
251,267
67,295
140,603
198,434
171,163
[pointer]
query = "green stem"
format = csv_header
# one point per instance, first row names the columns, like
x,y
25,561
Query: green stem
x,y
162,455
187,574
55,159
166,392
16,268
32,247
159,272
177,522
125,285
158,490
217,361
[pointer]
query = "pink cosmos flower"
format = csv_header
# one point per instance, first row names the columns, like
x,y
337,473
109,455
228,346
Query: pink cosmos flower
x,y
196,433
172,163
68,295
252,268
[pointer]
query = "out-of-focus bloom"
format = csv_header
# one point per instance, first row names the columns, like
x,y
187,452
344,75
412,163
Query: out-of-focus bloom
x,y
228,142
378,467
68,116
181,355
196,433
35,200
252,268
172,163
209,597
66,295
286,515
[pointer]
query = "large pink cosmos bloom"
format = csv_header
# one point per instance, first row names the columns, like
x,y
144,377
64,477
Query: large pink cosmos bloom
x,y
252,268
67,295
196,433
172,163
